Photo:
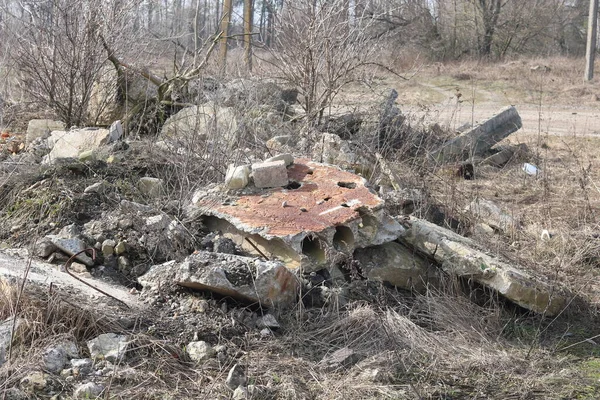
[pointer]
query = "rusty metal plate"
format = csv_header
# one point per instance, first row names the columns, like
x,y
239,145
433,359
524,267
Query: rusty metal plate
x,y
319,196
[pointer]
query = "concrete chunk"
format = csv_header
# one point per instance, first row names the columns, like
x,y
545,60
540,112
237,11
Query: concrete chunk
x,y
395,264
463,257
41,127
237,177
479,139
270,174
251,280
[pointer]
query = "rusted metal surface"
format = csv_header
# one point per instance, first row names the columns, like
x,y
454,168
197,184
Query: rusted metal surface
x,y
319,197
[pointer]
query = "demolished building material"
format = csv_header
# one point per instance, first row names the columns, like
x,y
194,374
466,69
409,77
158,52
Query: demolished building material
x,y
490,214
322,214
505,154
462,257
397,265
246,279
478,140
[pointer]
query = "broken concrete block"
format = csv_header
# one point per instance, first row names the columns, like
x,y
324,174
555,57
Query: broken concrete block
x,y
88,155
236,377
287,157
72,143
98,187
270,174
72,246
151,187
40,128
323,213
479,139
490,214
462,257
505,154
395,264
237,177
269,283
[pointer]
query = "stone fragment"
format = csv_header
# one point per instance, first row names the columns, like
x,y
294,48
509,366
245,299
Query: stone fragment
x,y
151,187
270,174
56,357
236,377
72,246
69,144
34,382
88,390
489,213
115,132
463,257
44,248
78,268
200,351
237,177
82,366
98,187
108,247
395,264
286,157
41,128
6,336
120,248
267,321
109,346
480,138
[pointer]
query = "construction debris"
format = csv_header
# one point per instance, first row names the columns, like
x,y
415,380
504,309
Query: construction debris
x,y
247,279
323,213
478,140
462,257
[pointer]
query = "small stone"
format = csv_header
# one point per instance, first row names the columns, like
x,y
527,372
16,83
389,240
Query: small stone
x,y
240,393
124,264
125,223
236,377
115,132
109,346
81,366
108,247
34,382
98,187
158,222
237,177
151,187
78,268
200,351
266,332
6,335
120,248
89,390
267,321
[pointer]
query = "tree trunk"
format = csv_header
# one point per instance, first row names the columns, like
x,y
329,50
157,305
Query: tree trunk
x,y
225,21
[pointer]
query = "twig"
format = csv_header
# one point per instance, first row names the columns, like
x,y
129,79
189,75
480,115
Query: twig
x,y
578,343
70,260
21,290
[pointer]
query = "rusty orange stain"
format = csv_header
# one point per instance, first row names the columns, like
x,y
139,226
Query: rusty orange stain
x,y
327,197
